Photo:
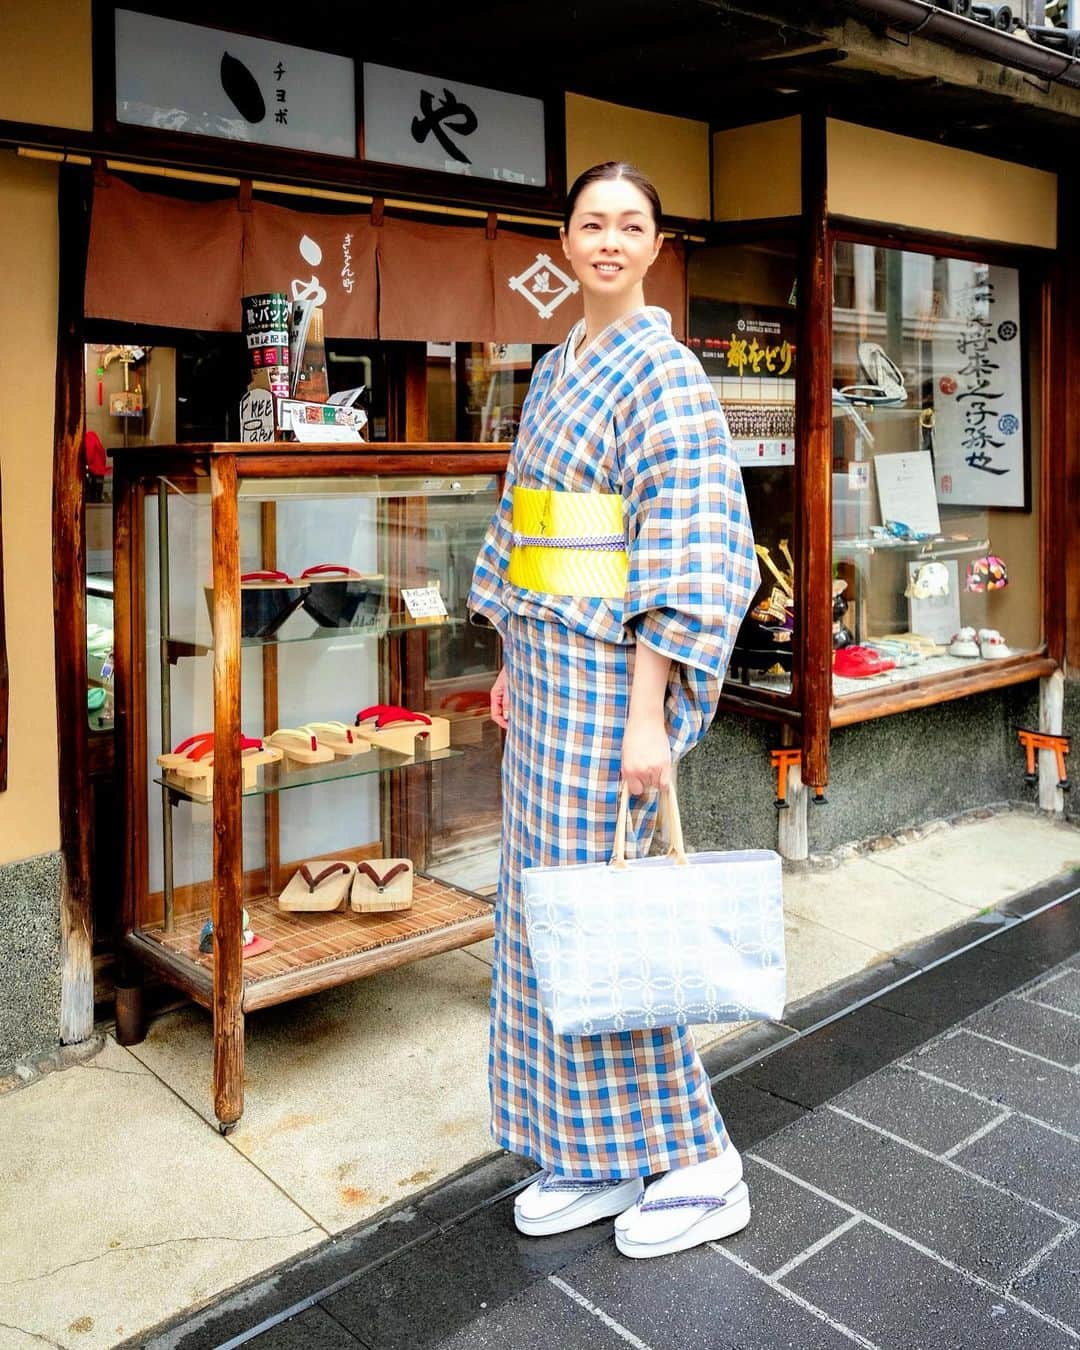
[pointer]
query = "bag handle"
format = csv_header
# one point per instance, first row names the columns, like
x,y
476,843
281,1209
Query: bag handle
x,y
676,846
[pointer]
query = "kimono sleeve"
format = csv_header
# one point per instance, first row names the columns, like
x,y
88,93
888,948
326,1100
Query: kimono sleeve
x,y
485,594
692,567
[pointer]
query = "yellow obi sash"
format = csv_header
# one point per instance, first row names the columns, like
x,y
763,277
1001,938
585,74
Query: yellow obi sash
x,y
568,543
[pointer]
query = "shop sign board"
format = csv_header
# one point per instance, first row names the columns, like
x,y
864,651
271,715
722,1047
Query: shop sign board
x,y
742,340
978,388
452,127
176,76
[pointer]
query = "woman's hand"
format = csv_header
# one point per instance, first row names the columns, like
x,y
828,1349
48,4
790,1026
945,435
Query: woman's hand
x,y
646,754
499,700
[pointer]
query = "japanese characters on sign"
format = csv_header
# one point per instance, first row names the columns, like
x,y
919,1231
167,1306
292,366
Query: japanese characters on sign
x,y
210,82
742,341
978,388
427,123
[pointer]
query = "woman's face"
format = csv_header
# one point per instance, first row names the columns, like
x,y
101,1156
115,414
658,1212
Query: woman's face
x,y
612,240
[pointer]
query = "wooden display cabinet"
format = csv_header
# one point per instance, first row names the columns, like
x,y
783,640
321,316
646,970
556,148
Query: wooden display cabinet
x,y
190,520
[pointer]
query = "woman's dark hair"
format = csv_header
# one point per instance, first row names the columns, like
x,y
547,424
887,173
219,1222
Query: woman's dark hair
x,y
609,170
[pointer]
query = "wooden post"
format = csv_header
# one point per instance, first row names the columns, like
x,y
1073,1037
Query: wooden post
x,y
813,442
69,622
3,663
1051,717
227,901
1063,365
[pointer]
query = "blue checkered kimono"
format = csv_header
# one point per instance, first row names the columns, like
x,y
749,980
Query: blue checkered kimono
x,y
635,416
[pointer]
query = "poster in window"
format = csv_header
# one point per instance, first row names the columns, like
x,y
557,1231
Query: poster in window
x,y
978,389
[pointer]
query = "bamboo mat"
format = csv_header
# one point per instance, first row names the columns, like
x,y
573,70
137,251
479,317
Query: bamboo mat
x,y
305,940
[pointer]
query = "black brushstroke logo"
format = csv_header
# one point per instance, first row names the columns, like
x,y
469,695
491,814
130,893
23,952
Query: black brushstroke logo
x,y
242,88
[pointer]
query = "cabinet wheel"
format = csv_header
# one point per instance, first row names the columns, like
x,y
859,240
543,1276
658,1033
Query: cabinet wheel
x,y
226,1127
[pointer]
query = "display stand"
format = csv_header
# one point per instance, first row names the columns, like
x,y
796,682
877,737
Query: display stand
x,y
394,488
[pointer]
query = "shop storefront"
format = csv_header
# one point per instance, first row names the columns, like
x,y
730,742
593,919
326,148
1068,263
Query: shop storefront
x,y
895,353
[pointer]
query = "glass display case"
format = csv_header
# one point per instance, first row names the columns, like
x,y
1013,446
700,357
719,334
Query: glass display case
x,y
310,770
934,526
742,328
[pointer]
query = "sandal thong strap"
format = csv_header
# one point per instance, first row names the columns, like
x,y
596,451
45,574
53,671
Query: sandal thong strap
x,y
387,877
313,882
684,1202
551,1183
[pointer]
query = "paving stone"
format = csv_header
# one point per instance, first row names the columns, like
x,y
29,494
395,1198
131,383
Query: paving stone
x,y
826,1062
1054,1285
1026,902
1063,992
751,1113
1030,1160
1045,940
980,1230
1006,1076
806,1012
785,1219
1054,1035
313,1271
902,1300
698,1300
932,1116
754,1040
435,1288
312,1330
541,1318
955,989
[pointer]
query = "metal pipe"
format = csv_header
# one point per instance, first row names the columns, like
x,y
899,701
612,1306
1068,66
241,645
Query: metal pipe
x,y
977,38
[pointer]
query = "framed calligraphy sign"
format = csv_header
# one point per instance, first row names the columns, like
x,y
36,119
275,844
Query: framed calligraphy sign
x,y
424,122
978,381
183,77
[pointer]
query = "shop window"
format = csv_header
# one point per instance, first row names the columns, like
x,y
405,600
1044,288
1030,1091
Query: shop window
x,y
742,329
935,468
476,389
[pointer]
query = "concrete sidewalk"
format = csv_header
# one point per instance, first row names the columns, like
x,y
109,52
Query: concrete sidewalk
x,y
123,1208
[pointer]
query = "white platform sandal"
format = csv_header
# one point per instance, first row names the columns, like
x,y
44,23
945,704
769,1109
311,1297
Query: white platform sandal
x,y
675,1223
558,1204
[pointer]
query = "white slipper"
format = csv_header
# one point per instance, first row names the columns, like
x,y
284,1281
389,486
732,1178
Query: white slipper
x,y
714,1176
557,1204
679,1222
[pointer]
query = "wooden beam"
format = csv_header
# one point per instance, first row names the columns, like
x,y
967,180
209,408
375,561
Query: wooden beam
x,y
3,663
226,904
69,622
813,439
1066,363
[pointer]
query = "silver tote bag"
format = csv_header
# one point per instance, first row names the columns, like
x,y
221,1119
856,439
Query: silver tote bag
x,y
653,942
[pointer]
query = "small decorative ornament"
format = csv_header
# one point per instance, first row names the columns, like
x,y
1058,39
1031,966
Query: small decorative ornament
x,y
987,573
930,582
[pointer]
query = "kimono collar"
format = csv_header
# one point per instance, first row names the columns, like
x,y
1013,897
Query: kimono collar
x,y
637,321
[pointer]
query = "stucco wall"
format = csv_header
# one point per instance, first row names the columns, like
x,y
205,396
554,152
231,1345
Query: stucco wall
x,y
45,65
672,151
29,815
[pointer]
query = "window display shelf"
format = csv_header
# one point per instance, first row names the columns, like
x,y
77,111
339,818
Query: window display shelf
x,y
943,545
311,952
874,410
278,778
179,646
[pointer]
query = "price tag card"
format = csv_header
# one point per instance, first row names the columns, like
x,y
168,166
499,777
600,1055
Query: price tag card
x,y
424,602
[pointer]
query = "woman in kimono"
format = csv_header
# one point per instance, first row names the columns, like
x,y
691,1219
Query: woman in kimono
x,y
614,646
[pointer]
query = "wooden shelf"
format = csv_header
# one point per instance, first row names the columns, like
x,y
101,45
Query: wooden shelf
x,y
312,952
977,678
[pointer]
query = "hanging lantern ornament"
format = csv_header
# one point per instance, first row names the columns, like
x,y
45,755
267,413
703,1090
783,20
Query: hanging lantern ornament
x,y
987,573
